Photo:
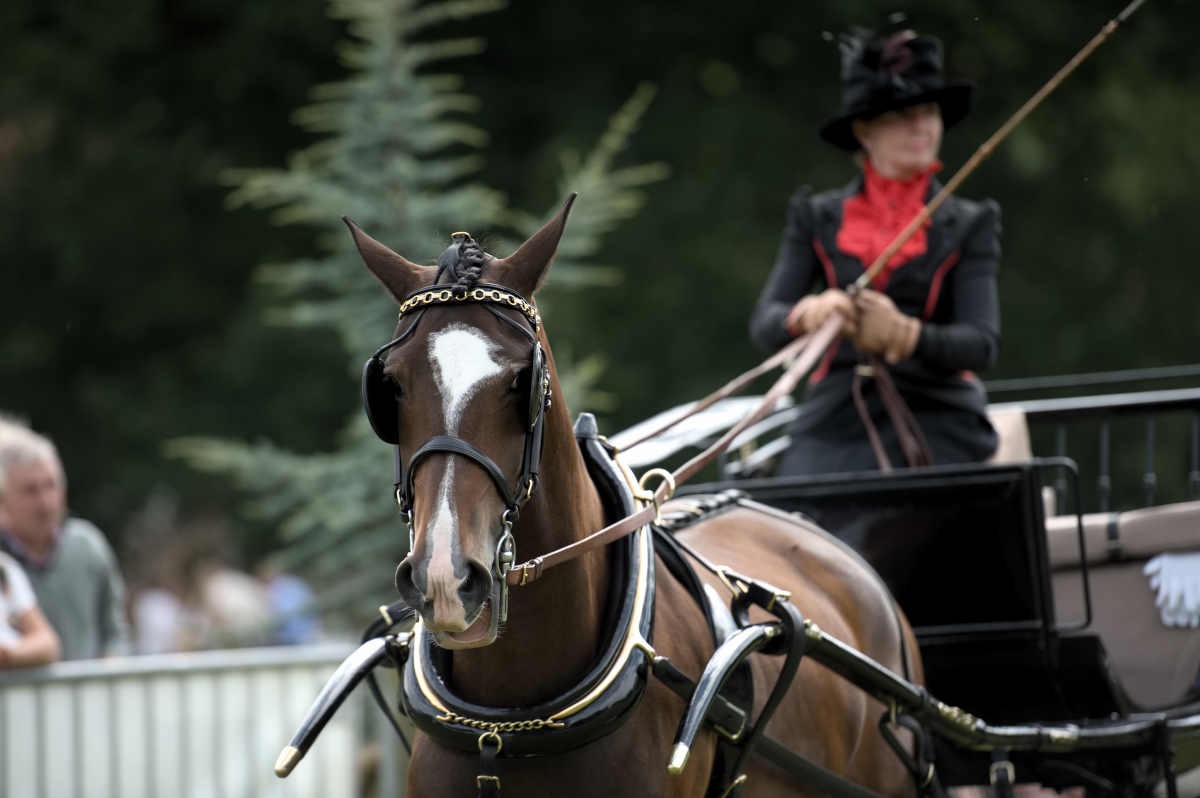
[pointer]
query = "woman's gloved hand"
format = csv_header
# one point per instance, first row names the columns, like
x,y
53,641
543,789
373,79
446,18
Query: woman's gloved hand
x,y
813,310
883,329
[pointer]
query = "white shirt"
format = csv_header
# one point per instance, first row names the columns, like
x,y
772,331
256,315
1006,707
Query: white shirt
x,y
16,598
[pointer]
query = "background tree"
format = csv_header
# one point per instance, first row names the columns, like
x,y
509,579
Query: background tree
x,y
398,156
130,316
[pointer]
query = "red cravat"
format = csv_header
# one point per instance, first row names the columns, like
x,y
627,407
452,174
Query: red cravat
x,y
872,218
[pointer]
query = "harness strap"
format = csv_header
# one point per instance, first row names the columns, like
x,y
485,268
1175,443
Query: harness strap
x,y
730,388
864,415
815,778
487,782
722,713
807,351
912,439
754,740
908,431
920,766
453,445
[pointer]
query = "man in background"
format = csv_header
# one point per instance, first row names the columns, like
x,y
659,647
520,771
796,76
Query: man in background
x,y
69,563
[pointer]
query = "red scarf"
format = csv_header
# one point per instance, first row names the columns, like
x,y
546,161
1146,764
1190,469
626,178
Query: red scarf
x,y
872,218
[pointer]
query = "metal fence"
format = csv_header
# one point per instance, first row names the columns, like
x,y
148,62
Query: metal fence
x,y
199,725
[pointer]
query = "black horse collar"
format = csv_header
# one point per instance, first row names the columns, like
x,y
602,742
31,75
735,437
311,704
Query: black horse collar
x,y
603,698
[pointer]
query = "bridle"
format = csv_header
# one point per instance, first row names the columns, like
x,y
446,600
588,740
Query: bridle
x,y
382,409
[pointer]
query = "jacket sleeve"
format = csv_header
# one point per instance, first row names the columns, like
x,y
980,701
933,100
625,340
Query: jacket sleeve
x,y
970,338
793,275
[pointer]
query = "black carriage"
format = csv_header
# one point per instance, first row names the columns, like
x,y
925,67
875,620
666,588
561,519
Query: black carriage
x,y
1025,581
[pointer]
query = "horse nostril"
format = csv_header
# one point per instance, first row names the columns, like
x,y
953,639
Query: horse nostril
x,y
406,585
477,585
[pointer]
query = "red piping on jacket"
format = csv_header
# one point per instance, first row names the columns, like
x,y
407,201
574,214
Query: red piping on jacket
x,y
935,285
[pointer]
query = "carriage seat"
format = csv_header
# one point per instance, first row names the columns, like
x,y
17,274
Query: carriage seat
x,y
1013,432
1156,664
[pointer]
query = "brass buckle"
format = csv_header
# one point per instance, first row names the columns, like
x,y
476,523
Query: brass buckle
x,y
732,736
734,785
736,584
652,495
1004,767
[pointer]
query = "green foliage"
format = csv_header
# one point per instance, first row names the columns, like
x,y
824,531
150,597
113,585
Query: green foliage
x,y
399,155
130,314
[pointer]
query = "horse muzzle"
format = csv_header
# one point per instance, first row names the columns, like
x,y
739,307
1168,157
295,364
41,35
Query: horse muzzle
x,y
459,611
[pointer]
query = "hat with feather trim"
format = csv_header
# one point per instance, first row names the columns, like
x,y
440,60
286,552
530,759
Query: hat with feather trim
x,y
881,74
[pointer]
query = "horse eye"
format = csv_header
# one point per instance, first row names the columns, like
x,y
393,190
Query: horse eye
x,y
393,383
515,385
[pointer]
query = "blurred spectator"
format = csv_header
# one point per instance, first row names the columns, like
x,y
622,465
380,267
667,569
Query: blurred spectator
x,y
292,605
69,563
158,616
26,637
224,607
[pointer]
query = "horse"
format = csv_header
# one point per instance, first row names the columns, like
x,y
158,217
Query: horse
x,y
488,461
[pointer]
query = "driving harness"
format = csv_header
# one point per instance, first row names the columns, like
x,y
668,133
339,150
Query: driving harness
x,y
612,688
720,699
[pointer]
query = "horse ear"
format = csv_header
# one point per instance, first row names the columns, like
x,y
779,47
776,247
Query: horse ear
x,y
525,270
399,275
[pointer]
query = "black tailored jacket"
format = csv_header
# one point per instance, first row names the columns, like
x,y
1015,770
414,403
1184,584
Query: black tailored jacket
x,y
951,288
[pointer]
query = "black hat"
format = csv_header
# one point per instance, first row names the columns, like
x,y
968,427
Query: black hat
x,y
882,74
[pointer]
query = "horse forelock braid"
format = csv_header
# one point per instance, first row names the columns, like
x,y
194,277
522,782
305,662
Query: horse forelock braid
x,y
471,262
461,264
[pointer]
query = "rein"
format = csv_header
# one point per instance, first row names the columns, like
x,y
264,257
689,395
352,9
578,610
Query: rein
x,y
801,355
912,440
806,352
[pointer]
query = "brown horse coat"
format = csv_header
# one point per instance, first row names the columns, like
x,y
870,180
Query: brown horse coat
x,y
554,626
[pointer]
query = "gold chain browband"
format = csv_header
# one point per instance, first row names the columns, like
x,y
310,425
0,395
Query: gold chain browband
x,y
446,296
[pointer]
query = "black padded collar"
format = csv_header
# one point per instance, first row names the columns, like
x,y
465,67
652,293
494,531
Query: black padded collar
x,y
591,709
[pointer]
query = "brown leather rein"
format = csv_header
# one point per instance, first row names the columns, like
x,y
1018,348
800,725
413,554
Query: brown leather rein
x,y
800,355
803,353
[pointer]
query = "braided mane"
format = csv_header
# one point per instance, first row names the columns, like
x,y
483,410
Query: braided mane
x,y
461,264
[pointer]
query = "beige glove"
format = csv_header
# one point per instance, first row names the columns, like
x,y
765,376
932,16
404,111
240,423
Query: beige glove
x,y
813,310
883,329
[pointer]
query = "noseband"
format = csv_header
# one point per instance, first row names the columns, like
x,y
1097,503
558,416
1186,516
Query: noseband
x,y
383,412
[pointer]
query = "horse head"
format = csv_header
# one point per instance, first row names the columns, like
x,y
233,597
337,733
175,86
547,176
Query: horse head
x,y
461,391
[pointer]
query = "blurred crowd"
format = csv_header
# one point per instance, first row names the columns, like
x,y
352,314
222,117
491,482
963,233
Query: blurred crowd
x,y
63,593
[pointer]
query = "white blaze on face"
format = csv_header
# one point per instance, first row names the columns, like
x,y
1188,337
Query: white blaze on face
x,y
462,362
